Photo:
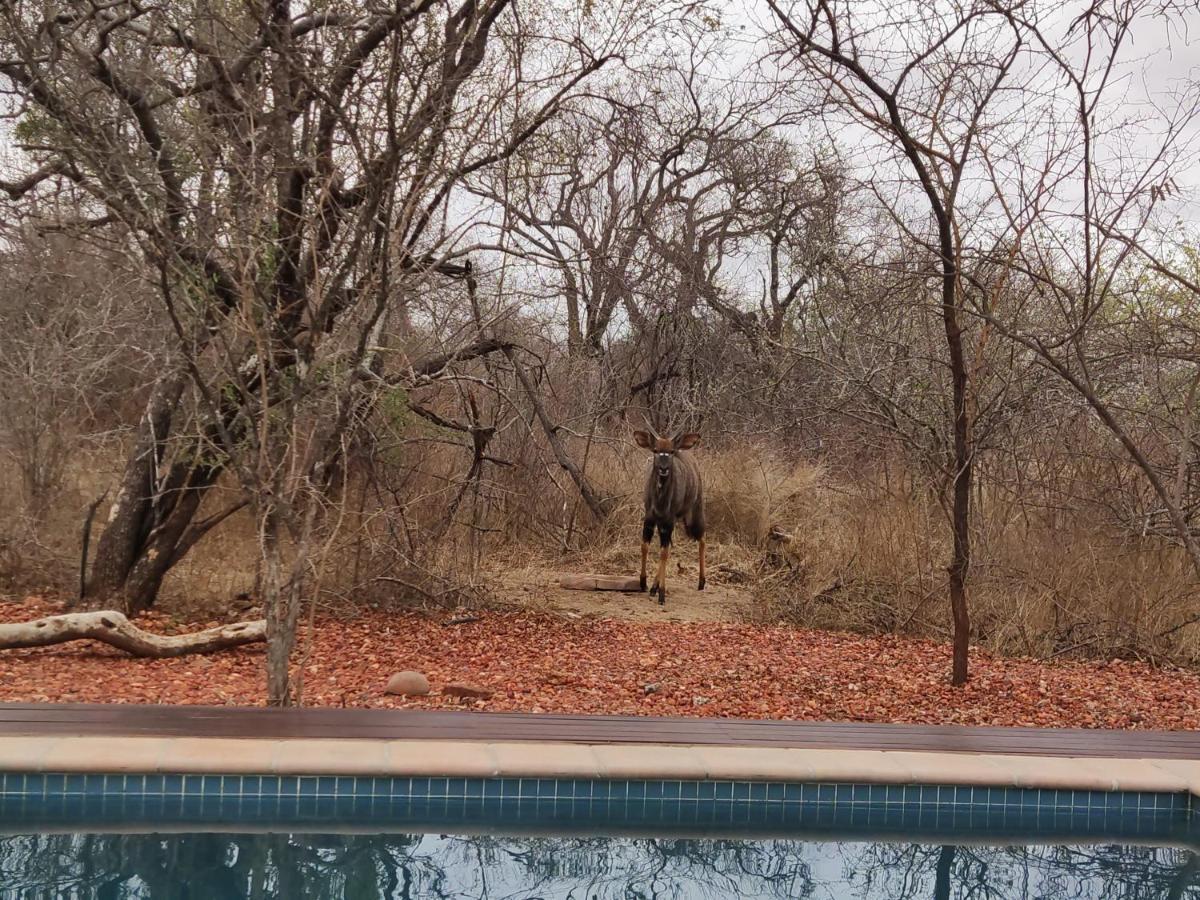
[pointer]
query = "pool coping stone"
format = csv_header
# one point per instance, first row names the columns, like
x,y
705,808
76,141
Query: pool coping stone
x,y
548,759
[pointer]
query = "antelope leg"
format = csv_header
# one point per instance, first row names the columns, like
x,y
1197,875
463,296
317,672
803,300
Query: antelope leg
x,y
701,585
647,535
661,582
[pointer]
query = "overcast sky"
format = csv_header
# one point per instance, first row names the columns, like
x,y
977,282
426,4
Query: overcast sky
x,y
1161,65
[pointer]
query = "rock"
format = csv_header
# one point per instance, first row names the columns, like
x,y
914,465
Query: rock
x,y
408,684
651,688
466,690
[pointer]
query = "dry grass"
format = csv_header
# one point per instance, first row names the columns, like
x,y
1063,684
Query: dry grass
x,y
870,558
865,555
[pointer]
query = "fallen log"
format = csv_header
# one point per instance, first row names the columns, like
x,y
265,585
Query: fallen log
x,y
114,628
600,582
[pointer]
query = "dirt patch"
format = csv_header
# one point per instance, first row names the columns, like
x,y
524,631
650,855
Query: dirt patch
x,y
537,590
534,587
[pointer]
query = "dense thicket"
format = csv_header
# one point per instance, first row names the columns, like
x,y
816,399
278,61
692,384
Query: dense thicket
x,y
362,300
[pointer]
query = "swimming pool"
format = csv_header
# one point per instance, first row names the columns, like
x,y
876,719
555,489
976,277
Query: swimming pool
x,y
214,803
401,865
148,836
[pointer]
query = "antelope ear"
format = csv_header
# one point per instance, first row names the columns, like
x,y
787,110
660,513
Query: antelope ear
x,y
643,439
687,441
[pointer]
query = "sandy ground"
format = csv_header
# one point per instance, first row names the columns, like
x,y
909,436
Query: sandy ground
x,y
537,590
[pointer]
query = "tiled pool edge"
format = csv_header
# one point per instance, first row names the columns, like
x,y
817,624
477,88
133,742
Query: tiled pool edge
x,y
670,762
94,801
404,783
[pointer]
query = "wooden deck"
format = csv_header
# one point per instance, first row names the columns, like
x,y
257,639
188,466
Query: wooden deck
x,y
49,719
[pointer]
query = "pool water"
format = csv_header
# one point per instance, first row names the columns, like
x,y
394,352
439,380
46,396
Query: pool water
x,y
107,866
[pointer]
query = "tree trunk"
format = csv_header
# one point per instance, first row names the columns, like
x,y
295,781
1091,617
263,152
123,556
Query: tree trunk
x,y
131,516
960,560
281,591
170,538
283,612
941,880
1185,877
113,628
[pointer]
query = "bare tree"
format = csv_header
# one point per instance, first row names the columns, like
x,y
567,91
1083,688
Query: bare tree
x,y
76,341
1104,294
283,173
927,99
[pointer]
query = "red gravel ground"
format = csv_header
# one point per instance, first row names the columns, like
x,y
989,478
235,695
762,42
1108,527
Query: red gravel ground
x,y
539,663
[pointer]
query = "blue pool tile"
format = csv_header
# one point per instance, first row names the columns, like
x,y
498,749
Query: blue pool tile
x,y
407,787
775,815
648,804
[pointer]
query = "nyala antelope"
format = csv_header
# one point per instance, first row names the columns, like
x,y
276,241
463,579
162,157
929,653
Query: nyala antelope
x,y
674,493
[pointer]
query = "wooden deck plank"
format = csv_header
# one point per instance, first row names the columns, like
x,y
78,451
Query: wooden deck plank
x,y
122,719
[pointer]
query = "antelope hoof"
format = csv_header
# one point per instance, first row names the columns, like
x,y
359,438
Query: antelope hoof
x,y
642,584
700,586
662,596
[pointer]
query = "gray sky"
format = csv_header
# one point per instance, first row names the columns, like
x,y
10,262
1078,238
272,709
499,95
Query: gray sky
x,y
1155,82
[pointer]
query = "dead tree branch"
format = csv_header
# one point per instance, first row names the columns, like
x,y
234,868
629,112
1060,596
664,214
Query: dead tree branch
x,y
113,628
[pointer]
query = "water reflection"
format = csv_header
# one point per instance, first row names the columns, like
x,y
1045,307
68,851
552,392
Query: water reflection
x,y
372,867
